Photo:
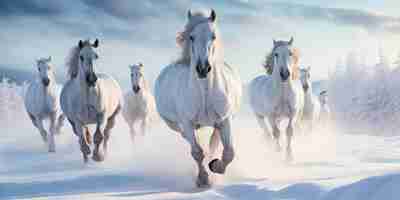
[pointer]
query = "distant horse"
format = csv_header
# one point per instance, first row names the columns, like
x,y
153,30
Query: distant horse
x,y
42,102
280,94
90,98
312,106
200,90
139,104
325,110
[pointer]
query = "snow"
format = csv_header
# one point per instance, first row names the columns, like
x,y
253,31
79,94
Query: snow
x,y
332,163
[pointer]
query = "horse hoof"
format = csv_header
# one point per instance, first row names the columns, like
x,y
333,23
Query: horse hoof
x,y
98,157
203,183
52,150
216,166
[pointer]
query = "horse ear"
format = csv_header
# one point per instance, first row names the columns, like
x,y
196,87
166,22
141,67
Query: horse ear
x,y
141,64
96,43
49,59
213,15
80,44
274,42
189,14
291,41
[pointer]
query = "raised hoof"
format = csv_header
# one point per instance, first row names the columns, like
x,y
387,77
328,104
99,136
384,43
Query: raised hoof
x,y
216,166
98,157
85,149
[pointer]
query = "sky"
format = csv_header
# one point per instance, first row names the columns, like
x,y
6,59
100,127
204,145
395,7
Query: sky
x,y
144,31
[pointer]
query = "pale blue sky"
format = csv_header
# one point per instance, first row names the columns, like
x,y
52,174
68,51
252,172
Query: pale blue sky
x,y
133,31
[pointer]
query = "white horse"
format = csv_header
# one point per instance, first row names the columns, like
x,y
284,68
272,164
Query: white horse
x,y
312,106
280,94
42,102
139,104
325,109
90,98
200,90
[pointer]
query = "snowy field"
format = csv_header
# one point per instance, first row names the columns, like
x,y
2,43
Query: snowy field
x,y
328,165
356,158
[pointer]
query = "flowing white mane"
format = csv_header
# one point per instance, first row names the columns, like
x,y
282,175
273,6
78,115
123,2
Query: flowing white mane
x,y
268,63
72,61
183,40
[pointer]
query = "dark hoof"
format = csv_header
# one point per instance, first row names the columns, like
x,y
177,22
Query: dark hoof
x,y
85,149
98,157
216,166
203,182
52,150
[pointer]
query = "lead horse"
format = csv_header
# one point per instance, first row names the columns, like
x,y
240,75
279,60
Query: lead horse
x,y
90,98
200,90
279,95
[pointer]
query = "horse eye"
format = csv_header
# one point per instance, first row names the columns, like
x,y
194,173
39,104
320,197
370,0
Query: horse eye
x,y
96,56
213,37
276,54
191,38
290,53
81,57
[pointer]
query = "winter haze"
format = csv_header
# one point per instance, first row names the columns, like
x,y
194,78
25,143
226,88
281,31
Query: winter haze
x,y
353,48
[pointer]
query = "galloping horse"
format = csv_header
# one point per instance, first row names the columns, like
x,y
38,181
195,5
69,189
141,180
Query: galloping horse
x,y
90,98
312,106
42,102
200,90
280,94
139,104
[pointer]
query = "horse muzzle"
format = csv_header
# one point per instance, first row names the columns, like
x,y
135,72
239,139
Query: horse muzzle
x,y
284,74
46,82
91,79
202,71
136,89
306,87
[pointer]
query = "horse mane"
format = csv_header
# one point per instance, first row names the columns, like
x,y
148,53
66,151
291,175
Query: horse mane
x,y
72,61
182,38
269,61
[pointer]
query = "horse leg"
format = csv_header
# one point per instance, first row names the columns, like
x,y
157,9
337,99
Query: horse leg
x,y
60,123
35,122
289,134
263,125
143,125
52,129
217,165
79,131
98,138
276,133
132,132
87,136
43,132
107,131
197,154
214,142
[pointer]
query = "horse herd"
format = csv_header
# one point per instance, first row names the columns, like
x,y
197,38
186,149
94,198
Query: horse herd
x,y
197,90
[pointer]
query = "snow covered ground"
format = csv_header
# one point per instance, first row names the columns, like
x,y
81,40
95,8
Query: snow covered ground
x,y
329,164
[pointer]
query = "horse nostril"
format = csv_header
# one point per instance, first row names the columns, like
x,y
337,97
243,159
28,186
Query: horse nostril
x,y
136,88
46,81
284,74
